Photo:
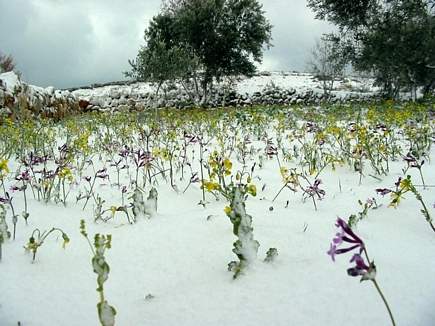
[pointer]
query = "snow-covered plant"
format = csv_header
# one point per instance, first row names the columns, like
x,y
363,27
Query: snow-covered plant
x,y
138,204
151,203
4,233
402,187
364,267
24,177
412,162
100,174
98,210
142,208
37,239
106,312
8,200
370,203
245,247
271,254
313,191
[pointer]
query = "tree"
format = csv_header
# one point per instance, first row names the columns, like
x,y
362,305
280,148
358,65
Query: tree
x,y
327,62
217,38
394,39
6,63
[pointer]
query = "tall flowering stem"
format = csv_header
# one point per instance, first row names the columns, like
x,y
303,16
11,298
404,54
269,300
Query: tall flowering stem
x,y
402,187
363,266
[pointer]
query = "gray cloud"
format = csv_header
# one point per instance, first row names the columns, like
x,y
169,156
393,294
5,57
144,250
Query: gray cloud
x,y
67,43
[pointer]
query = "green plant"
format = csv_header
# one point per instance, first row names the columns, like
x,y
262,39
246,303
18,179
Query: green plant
x,y
37,239
245,247
106,313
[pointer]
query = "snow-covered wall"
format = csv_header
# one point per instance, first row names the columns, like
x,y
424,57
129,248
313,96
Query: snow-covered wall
x,y
16,95
267,88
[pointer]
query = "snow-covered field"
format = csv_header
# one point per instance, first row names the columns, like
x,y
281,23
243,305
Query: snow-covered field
x,y
171,268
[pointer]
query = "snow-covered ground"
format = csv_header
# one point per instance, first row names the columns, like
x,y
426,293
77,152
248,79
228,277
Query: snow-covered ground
x,y
299,82
302,82
171,269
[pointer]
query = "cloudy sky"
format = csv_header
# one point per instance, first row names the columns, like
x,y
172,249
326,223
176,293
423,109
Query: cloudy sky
x,y
67,43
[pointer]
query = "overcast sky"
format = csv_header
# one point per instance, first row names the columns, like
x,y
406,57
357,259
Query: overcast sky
x,y
67,43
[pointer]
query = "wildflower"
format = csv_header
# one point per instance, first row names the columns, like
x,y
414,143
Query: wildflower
x,y
4,169
227,164
383,191
210,186
23,176
344,234
314,190
368,272
102,174
252,190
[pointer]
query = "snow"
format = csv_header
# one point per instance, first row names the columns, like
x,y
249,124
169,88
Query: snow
x,y
10,80
300,82
179,258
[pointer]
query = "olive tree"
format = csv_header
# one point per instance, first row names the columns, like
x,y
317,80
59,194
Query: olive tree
x,y
203,41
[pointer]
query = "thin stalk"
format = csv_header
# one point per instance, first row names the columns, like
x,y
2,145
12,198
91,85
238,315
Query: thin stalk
x,y
385,301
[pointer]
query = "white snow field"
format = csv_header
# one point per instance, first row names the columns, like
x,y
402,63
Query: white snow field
x,y
171,268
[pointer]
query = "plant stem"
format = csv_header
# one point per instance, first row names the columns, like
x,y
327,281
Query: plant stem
x,y
385,301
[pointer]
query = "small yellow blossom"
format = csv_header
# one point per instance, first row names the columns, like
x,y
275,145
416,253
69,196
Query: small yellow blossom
x,y
252,190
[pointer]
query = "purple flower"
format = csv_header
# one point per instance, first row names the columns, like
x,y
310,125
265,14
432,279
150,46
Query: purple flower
x,y
23,176
16,188
124,152
102,174
367,272
314,190
194,178
383,191
7,199
344,234
360,268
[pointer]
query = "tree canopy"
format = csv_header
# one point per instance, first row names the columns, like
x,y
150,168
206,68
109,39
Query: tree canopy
x,y
203,40
394,39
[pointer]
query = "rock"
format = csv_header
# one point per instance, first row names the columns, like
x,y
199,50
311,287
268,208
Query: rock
x,y
50,90
122,101
114,93
83,104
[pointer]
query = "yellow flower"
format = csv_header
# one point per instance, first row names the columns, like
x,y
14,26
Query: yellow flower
x,y
66,173
66,240
210,186
406,184
156,152
4,169
228,164
227,210
252,190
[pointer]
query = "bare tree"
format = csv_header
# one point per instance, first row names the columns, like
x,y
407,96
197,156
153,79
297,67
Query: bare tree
x,y
327,63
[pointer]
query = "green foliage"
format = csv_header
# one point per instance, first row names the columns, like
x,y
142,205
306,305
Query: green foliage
x,y
393,39
37,239
200,40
